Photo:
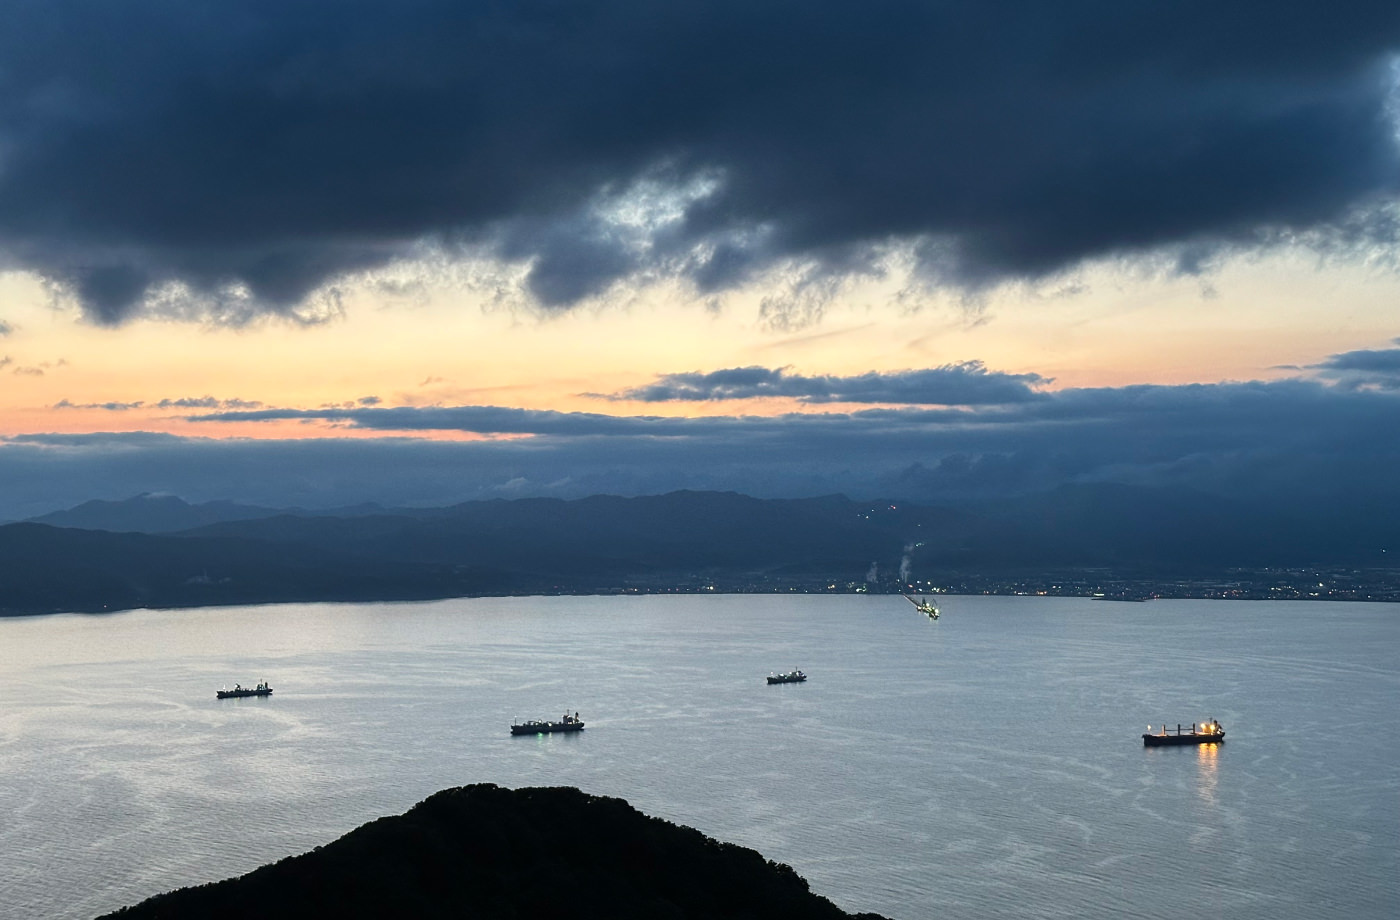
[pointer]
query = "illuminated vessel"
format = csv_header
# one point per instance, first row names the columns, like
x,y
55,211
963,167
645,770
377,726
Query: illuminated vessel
x,y
1211,732
925,606
569,723
791,677
239,691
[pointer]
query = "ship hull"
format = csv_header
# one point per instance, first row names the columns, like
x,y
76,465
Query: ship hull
x,y
545,728
240,694
1188,738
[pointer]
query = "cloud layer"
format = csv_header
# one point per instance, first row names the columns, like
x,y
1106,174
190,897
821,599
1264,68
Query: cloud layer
x,y
966,384
1331,447
160,154
1378,368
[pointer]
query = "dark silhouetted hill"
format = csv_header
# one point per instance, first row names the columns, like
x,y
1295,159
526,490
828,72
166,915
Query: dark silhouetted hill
x,y
681,541
599,539
487,853
45,569
1102,524
149,513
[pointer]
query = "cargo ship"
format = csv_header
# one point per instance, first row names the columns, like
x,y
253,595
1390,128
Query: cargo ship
x,y
569,723
239,691
791,677
1211,732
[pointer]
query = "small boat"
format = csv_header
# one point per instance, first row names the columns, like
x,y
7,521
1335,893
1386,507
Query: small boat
x,y
239,691
925,606
569,723
1210,732
791,677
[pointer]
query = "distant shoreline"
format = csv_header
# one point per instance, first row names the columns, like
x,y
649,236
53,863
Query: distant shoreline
x,y
1380,593
1093,542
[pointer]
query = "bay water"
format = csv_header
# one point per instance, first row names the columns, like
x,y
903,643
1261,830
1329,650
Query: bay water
x,y
987,765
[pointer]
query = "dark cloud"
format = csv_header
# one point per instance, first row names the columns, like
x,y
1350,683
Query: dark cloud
x,y
105,406
1145,417
251,150
6,328
476,419
1364,368
206,402
965,384
1293,441
184,402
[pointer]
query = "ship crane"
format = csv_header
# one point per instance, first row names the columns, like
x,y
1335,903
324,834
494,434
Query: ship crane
x,y
925,606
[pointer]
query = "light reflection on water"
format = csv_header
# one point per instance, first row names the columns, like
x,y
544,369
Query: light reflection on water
x,y
987,765
1208,759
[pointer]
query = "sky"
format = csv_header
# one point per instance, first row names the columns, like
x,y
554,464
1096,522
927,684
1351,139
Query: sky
x,y
310,253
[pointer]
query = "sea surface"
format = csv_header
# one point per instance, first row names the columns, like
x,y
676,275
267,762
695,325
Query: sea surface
x,y
987,765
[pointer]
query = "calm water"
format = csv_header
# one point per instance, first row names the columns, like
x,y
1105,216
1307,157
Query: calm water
x,y
987,765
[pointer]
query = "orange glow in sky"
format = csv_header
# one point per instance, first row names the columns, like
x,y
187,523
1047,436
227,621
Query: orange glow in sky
x,y
1252,321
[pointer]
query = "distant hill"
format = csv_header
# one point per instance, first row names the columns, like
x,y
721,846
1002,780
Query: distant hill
x,y
1100,524
527,546
48,569
606,537
686,540
490,853
149,513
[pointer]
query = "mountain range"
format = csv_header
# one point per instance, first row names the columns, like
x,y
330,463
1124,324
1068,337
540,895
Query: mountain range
x,y
161,551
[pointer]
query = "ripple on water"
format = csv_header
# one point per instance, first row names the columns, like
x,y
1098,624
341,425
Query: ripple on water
x,y
989,767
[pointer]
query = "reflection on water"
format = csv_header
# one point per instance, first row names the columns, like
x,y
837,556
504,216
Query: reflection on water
x,y
1207,774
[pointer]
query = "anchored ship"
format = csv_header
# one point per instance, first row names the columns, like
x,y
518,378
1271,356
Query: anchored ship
x,y
569,723
1210,732
262,689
